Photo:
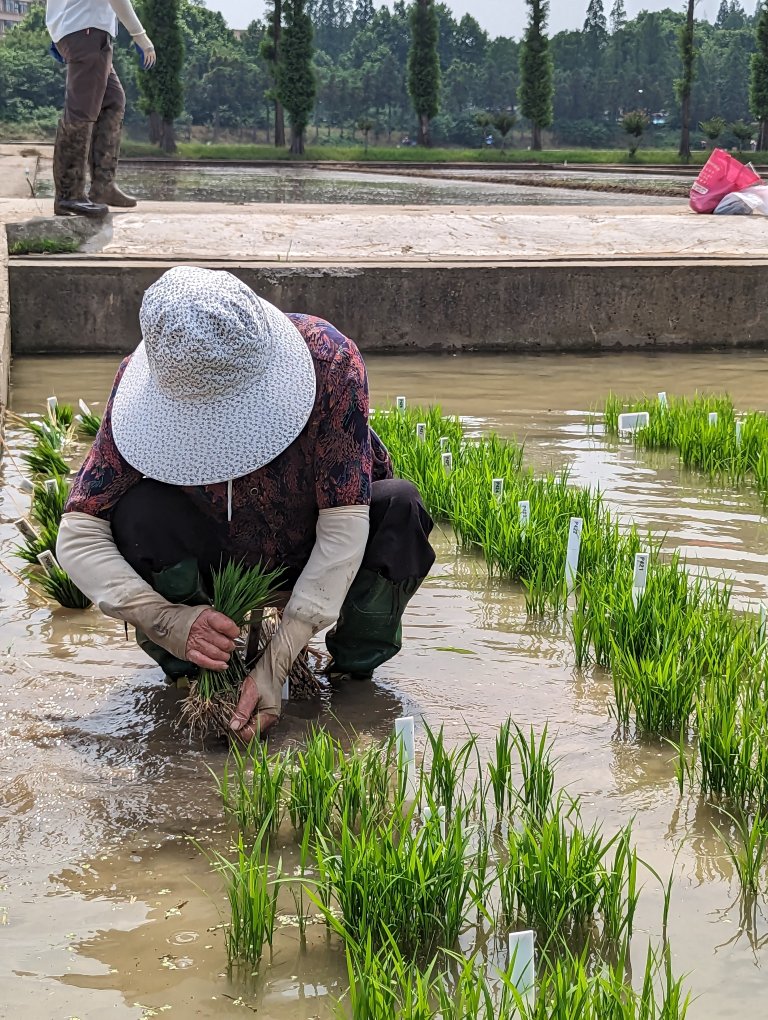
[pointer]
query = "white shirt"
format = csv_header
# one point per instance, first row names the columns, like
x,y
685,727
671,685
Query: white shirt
x,y
66,16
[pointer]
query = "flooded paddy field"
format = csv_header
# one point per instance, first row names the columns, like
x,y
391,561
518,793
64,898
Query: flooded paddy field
x,y
305,185
107,910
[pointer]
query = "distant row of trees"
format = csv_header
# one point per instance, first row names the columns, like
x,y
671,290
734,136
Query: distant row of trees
x,y
336,68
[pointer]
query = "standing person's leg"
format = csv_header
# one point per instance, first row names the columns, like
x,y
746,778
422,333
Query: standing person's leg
x,y
397,559
173,547
105,147
88,56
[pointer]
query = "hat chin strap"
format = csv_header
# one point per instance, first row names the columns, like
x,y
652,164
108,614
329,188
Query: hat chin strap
x,y
229,500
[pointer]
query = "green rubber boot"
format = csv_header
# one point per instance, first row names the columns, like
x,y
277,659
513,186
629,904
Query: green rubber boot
x,y
181,584
369,629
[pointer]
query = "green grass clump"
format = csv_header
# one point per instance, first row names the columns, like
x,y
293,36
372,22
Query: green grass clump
x,y
45,246
413,154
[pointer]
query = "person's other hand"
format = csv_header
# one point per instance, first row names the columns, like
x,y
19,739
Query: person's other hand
x,y
248,722
211,640
148,50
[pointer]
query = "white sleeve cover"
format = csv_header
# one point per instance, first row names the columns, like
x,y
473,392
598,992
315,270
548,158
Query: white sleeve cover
x,y
340,540
127,16
317,597
87,551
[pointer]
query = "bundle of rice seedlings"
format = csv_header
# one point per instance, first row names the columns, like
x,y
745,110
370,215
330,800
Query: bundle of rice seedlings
x,y
88,423
48,501
45,459
58,585
61,415
35,541
238,591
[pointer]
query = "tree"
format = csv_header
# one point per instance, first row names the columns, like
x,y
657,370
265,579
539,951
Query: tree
x,y
296,86
713,128
743,132
685,83
722,14
595,23
270,52
536,79
504,122
161,88
618,16
758,86
424,65
634,124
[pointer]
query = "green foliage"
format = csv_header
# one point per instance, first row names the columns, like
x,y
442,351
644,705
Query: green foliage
x,y
161,88
635,125
758,86
424,65
296,86
713,128
743,132
536,80
684,85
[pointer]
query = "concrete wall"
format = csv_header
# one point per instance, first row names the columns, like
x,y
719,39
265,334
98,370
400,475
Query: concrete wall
x,y
92,306
5,331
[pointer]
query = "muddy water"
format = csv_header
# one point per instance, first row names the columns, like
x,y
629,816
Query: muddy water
x,y
297,185
106,908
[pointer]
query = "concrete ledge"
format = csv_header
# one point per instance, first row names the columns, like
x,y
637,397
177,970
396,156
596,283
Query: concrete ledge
x,y
92,306
5,332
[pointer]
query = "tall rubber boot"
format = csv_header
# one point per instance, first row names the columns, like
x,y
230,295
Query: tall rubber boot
x,y
105,151
369,629
69,160
180,584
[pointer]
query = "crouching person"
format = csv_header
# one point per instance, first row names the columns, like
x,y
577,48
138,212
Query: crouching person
x,y
237,433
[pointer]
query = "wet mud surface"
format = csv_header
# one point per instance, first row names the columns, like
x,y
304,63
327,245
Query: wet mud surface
x,y
108,906
277,185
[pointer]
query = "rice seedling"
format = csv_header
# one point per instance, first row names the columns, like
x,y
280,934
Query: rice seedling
x,y
401,881
314,781
538,773
443,776
747,851
49,498
252,787
252,889
238,591
44,459
88,423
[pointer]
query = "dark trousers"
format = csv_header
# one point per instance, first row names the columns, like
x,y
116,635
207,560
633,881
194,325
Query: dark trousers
x,y
158,530
93,87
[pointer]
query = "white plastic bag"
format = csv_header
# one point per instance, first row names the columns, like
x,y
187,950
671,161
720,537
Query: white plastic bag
x,y
745,203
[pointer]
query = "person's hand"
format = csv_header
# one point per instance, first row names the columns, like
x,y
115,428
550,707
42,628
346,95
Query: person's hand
x,y
248,722
211,640
144,43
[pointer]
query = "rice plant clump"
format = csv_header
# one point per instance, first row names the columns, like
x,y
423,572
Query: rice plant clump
x,y
418,896
238,591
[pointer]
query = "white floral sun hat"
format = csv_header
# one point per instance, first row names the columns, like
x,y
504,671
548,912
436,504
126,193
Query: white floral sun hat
x,y
221,384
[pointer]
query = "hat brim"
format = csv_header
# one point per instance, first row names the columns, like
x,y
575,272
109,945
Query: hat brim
x,y
199,442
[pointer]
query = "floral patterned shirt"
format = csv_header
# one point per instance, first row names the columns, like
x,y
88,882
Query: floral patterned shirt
x,y
331,463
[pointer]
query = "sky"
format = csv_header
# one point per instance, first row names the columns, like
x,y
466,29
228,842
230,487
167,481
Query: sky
x,y
499,17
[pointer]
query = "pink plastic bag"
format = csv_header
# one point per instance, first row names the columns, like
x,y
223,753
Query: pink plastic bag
x,y
720,176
